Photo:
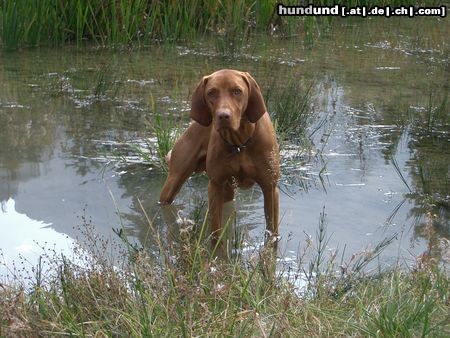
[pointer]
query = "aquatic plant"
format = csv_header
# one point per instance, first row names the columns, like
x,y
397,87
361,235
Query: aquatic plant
x,y
167,130
289,104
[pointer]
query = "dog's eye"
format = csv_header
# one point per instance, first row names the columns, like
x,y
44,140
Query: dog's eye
x,y
237,91
212,93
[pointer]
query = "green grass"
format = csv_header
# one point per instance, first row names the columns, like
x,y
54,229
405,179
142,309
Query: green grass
x,y
167,130
121,22
290,107
192,294
125,23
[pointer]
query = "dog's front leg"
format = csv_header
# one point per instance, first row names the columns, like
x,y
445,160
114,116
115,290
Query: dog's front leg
x,y
215,203
271,205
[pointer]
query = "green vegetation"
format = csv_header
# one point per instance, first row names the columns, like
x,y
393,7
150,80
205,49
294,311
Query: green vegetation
x,y
166,131
191,294
290,108
121,23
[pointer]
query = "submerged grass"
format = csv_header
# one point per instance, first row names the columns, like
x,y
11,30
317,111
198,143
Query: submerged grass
x,y
185,292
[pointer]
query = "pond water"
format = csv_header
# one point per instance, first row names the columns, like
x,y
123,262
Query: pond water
x,y
377,159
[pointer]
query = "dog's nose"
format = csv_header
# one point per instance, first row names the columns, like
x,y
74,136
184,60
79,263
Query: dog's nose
x,y
224,115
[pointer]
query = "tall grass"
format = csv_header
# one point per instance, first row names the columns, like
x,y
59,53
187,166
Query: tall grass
x,y
290,107
25,23
167,131
121,22
187,293
354,3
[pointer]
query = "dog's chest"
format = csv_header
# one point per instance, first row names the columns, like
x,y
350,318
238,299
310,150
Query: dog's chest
x,y
234,164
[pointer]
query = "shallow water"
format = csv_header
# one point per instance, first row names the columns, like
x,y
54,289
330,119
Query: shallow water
x,y
68,117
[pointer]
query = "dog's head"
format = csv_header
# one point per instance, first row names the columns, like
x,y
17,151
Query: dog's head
x,y
226,97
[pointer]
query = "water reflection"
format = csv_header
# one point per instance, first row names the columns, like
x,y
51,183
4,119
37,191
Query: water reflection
x,y
26,240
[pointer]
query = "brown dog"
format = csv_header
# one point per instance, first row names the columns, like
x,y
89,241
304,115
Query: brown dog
x,y
233,139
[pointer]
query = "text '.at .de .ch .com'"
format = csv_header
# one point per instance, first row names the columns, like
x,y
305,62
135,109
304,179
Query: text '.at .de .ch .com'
x,y
363,11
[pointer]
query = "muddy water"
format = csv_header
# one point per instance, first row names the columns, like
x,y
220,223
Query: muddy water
x,y
377,160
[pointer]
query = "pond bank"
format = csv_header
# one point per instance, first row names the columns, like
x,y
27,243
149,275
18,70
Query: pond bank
x,y
192,295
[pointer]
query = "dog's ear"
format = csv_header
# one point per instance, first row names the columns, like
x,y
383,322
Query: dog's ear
x,y
255,106
199,109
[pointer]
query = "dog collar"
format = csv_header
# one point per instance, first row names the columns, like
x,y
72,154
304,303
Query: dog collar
x,y
235,148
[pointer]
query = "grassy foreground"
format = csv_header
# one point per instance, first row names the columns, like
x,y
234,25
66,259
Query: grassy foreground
x,y
187,293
